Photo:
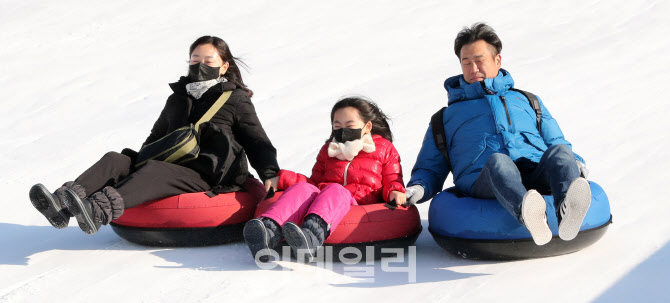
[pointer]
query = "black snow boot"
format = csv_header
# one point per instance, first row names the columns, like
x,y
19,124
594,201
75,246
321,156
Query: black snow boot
x,y
51,205
83,210
261,236
306,240
78,189
97,210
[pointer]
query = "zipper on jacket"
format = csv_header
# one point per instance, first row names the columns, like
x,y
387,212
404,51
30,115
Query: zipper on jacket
x,y
346,169
504,102
486,89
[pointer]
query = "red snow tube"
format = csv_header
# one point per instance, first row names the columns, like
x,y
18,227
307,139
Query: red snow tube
x,y
365,226
192,219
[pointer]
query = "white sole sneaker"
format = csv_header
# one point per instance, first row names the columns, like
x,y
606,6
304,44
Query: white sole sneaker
x,y
574,208
533,213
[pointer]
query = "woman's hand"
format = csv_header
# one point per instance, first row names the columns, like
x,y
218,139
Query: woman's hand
x,y
271,183
399,197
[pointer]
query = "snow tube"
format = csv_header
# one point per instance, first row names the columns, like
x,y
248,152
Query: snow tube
x,y
367,229
483,229
192,219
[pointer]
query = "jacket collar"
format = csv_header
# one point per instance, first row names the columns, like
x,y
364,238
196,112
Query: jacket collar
x,y
179,87
350,149
459,90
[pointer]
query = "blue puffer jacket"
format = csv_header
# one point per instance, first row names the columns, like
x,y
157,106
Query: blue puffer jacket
x,y
483,118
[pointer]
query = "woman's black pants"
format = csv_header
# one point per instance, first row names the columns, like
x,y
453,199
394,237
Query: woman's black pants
x,y
154,180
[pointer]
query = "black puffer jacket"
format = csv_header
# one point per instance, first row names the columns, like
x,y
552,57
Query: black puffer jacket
x,y
234,129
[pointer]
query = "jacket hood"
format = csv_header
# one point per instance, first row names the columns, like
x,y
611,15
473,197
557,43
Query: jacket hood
x,y
459,90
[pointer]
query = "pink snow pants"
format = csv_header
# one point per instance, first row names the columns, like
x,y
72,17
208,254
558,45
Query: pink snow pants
x,y
300,199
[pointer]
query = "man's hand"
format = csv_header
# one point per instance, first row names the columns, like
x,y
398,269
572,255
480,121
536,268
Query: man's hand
x,y
414,194
582,169
399,197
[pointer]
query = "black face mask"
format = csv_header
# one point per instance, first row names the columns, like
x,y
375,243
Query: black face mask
x,y
347,134
203,72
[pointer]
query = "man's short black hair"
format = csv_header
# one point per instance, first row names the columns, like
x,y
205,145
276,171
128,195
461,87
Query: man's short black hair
x,y
478,31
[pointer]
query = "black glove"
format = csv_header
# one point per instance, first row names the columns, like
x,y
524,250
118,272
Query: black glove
x,y
130,154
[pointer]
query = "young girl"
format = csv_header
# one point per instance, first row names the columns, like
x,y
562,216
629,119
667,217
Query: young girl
x,y
357,165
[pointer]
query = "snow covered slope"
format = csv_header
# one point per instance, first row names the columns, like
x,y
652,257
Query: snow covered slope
x,y
80,78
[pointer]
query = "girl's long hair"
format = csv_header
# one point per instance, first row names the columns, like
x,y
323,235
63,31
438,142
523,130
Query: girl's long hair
x,y
233,73
369,112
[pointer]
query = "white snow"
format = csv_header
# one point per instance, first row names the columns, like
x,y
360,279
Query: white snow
x,y
80,78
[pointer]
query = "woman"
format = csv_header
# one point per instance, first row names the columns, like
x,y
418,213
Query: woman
x,y
114,183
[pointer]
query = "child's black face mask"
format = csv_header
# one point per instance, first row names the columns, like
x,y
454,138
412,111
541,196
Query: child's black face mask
x,y
347,134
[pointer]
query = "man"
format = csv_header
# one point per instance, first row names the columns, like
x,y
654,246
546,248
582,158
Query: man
x,y
500,147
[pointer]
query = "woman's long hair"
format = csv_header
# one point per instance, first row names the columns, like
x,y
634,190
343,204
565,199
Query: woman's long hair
x,y
369,112
233,73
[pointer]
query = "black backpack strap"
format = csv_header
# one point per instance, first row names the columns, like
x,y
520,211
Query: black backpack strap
x,y
439,136
535,104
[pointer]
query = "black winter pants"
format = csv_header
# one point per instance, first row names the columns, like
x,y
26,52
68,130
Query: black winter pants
x,y
154,180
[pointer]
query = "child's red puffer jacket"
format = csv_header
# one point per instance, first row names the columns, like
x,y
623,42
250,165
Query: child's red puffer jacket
x,y
370,177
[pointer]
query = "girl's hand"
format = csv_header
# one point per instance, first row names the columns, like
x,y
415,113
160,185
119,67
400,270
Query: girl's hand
x,y
399,197
271,183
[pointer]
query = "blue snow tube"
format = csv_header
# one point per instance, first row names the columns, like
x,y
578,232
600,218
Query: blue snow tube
x,y
483,229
